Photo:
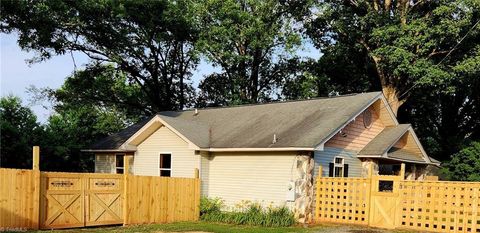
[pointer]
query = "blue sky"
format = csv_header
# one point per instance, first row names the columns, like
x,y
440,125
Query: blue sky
x,y
16,75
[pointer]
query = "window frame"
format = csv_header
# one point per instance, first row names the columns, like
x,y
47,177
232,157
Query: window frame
x,y
337,165
164,169
123,161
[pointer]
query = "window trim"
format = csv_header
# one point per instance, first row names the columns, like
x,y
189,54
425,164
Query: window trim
x,y
165,169
335,165
122,167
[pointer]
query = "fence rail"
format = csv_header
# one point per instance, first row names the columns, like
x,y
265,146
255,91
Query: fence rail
x,y
30,199
436,206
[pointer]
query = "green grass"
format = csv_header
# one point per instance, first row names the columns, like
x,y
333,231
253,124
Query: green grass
x,y
215,227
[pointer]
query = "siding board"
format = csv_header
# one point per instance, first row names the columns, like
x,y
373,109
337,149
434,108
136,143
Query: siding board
x,y
261,177
147,157
357,136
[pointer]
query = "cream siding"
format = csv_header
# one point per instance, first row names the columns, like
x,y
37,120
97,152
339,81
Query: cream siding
x,y
163,140
104,163
260,177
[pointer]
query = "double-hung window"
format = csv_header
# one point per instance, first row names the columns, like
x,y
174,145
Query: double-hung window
x,y
165,165
338,166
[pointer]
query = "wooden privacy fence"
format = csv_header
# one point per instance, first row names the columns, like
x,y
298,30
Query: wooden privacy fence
x,y
392,202
30,199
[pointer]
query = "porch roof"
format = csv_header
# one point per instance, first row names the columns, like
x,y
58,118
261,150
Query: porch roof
x,y
404,155
385,140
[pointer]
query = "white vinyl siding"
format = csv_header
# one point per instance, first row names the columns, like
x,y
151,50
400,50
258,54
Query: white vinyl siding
x,y
261,177
104,163
147,157
328,155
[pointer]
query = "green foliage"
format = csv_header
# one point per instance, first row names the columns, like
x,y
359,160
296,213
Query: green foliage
x,y
150,41
19,131
71,130
249,40
104,87
397,46
402,41
252,214
465,165
210,205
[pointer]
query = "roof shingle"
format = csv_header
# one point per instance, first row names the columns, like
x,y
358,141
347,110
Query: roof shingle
x,y
384,140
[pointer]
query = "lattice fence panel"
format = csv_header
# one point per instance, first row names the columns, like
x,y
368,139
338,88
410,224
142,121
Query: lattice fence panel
x,y
440,206
342,200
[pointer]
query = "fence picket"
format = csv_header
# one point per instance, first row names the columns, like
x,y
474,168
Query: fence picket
x,y
430,205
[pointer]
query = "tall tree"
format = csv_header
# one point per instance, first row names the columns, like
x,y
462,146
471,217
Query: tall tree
x,y
101,86
150,41
406,42
247,39
19,131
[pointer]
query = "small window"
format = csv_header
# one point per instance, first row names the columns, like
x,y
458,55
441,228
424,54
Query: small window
x,y
338,167
165,165
119,163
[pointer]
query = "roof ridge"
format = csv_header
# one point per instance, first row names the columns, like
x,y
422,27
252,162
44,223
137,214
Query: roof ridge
x,y
274,102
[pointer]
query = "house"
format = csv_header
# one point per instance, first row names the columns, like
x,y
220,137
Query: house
x,y
269,152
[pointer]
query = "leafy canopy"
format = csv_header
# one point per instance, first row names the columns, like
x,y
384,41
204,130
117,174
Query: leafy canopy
x,y
248,40
465,164
19,129
150,41
404,41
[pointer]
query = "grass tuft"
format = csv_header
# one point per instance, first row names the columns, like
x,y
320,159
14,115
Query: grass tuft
x,y
253,214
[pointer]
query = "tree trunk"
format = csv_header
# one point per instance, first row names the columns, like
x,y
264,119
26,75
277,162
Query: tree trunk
x,y
391,94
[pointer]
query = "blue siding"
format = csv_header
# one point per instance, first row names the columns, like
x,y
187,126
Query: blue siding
x,y
327,156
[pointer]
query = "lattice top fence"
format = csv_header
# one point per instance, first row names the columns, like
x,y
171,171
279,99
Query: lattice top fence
x,y
392,202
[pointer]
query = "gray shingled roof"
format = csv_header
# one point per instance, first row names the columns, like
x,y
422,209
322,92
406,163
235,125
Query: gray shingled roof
x,y
303,123
295,123
402,154
384,140
114,141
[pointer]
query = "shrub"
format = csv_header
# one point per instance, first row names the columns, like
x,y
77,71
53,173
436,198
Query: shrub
x,y
210,205
253,214
464,165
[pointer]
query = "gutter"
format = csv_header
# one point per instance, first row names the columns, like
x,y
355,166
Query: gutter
x,y
257,149
106,150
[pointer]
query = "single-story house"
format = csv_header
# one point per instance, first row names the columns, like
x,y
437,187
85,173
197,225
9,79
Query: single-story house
x,y
269,153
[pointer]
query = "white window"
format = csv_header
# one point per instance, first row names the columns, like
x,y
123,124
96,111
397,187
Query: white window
x,y
119,163
338,166
165,165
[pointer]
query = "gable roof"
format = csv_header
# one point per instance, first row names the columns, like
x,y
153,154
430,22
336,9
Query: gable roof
x,y
384,140
298,124
115,140
303,124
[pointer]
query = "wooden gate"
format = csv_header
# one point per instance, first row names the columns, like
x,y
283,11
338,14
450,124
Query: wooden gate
x,y
80,199
384,201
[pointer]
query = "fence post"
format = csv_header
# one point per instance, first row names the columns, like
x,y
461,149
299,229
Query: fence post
x,y
398,214
126,173
369,198
36,187
402,171
196,173
317,193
